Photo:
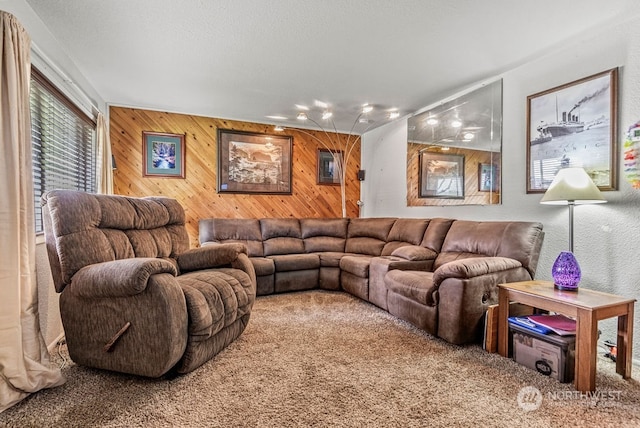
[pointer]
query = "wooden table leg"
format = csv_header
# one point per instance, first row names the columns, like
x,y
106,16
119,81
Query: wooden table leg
x,y
586,350
625,340
503,323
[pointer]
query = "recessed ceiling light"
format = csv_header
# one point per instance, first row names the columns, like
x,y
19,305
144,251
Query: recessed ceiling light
x,y
366,108
469,136
456,123
302,116
321,104
302,107
432,121
327,115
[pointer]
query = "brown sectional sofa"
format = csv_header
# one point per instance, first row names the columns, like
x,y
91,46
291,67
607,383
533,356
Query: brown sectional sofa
x,y
439,274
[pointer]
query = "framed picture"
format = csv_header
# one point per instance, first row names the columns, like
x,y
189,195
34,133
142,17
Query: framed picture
x,y
163,155
254,163
441,176
487,177
327,167
573,125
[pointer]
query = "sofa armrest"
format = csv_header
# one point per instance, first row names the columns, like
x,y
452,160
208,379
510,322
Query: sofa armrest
x,y
210,256
414,253
473,267
118,278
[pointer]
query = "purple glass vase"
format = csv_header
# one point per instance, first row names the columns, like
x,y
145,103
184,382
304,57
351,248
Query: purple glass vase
x,y
566,272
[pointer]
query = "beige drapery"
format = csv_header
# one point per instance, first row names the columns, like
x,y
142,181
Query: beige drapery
x,y
105,169
24,361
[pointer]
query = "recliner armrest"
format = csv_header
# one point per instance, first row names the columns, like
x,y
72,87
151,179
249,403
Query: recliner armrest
x,y
473,267
118,278
210,256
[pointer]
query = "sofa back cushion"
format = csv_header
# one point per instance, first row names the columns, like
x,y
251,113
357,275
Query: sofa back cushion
x,y
436,232
324,234
281,236
513,239
405,231
242,230
368,235
82,229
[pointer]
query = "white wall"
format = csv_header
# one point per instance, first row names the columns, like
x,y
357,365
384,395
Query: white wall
x,y
607,236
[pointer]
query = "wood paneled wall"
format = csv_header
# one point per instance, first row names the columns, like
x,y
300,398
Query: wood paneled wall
x,y
472,196
197,191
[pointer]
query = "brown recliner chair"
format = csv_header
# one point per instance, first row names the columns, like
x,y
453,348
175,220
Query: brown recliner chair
x,y
133,297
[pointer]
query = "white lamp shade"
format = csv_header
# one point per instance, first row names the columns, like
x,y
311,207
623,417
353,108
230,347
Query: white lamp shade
x,y
572,185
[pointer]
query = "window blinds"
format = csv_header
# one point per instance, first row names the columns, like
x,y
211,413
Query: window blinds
x,y
63,143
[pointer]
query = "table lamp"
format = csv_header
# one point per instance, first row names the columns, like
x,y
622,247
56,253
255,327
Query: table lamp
x,y
571,186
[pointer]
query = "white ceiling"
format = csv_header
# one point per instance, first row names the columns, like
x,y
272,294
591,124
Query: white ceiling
x,y
249,59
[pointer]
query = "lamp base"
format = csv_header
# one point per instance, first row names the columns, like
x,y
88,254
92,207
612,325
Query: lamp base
x,y
566,272
564,288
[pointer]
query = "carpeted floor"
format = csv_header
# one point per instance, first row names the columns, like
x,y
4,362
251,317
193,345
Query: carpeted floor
x,y
325,359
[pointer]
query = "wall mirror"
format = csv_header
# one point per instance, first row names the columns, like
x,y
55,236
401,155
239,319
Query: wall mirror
x,y
454,150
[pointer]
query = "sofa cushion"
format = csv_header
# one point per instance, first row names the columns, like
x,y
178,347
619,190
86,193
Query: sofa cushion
x,y
412,284
224,230
316,244
263,266
335,227
322,234
515,240
414,253
290,262
356,265
281,236
436,233
405,231
368,235
330,258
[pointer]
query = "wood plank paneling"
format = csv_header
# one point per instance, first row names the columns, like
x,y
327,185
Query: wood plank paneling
x,y
197,191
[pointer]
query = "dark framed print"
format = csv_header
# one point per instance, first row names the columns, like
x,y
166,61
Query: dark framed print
x,y
487,177
574,125
251,162
329,167
441,176
163,155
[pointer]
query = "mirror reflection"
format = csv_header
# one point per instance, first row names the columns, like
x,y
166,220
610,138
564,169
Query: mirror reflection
x,y
454,150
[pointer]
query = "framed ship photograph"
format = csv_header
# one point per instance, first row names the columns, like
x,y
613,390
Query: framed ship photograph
x,y
573,125
250,162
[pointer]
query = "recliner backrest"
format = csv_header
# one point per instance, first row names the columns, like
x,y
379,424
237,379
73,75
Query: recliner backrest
x,y
518,240
82,229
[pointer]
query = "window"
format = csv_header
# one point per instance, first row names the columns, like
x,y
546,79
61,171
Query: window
x,y
63,141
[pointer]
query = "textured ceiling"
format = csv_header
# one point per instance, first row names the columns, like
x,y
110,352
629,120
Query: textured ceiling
x,y
247,60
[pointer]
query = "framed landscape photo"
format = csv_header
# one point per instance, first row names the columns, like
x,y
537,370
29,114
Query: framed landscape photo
x,y
487,177
163,155
441,176
328,171
573,125
251,162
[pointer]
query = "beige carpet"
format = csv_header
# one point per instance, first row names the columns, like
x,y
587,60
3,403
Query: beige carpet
x,y
327,359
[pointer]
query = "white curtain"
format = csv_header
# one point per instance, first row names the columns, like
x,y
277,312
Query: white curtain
x,y
105,168
24,360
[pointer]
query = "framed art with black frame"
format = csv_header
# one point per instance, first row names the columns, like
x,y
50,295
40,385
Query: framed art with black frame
x,y
250,162
441,176
573,125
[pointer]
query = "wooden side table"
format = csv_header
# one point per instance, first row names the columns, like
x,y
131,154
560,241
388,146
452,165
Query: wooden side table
x,y
587,307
